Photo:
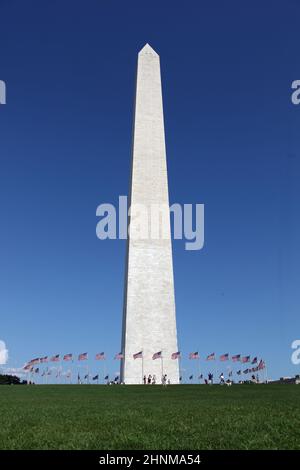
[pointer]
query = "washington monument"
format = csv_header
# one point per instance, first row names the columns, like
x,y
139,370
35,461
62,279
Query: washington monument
x,y
149,321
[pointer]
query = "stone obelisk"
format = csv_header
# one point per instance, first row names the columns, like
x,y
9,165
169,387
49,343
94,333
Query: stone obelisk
x,y
149,321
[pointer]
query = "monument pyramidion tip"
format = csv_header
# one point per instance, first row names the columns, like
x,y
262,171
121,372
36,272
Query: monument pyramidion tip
x,y
147,49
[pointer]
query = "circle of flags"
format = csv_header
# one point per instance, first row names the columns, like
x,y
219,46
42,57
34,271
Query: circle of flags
x,y
237,358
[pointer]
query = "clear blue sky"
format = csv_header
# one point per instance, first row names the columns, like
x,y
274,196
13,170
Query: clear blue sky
x,y
233,143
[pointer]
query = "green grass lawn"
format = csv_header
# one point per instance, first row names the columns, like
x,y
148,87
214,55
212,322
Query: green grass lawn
x,y
150,417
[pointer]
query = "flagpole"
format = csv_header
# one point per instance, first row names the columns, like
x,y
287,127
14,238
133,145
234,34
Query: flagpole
x,y
142,366
198,368
266,372
179,366
162,364
237,371
215,369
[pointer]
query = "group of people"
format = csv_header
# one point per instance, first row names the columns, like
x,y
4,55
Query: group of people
x,y
210,379
151,380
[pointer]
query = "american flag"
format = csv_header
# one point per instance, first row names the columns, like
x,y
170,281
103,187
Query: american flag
x,y
211,357
239,372
224,357
175,355
236,358
191,377
245,359
194,355
100,356
83,357
157,355
246,371
106,377
27,366
37,370
68,357
44,359
34,361
119,356
96,377
55,358
138,355
261,365
86,376
254,361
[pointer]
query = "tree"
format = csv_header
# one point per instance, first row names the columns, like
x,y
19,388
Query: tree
x,y
10,380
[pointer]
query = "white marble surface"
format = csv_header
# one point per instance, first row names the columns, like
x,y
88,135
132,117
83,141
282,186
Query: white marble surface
x,y
149,322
